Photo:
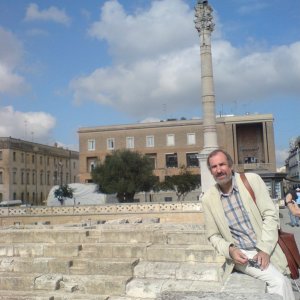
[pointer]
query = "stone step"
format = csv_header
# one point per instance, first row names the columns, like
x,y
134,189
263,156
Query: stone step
x,y
35,265
180,271
176,253
54,236
152,288
95,284
114,250
40,250
128,298
110,266
166,235
35,295
203,295
88,284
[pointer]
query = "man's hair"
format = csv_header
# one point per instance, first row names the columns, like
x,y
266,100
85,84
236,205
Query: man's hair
x,y
215,152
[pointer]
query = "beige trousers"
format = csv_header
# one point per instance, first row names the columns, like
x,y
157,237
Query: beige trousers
x,y
277,283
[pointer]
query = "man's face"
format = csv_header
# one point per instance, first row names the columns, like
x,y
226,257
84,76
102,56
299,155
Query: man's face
x,y
220,169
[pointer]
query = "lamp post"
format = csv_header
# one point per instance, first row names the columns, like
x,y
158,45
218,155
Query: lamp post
x,y
204,25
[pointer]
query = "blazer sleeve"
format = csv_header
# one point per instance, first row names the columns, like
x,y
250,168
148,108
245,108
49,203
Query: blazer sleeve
x,y
214,235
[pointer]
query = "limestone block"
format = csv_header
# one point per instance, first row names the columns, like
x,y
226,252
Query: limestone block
x,y
6,250
162,270
49,282
216,296
7,265
29,250
144,288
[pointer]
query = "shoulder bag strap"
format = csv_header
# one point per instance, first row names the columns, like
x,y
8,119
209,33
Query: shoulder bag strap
x,y
248,186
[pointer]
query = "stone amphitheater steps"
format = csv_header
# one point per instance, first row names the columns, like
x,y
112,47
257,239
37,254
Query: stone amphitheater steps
x,y
106,262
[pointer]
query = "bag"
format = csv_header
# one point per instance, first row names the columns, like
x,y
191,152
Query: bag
x,y
289,247
286,240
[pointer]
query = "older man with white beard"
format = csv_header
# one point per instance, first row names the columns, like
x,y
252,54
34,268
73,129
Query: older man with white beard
x,y
245,232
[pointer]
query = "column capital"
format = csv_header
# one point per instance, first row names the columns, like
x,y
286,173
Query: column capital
x,y
203,16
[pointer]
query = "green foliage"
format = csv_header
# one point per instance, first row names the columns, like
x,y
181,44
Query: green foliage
x,y
124,172
181,184
64,191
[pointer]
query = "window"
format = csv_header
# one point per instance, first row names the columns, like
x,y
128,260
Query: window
x,y
22,157
192,160
129,142
150,141
171,160
48,178
41,178
14,156
191,139
33,177
170,140
41,160
110,143
33,159
1,177
1,155
91,145
22,177
92,166
152,157
14,177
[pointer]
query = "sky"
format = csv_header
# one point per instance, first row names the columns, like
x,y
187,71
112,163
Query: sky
x,y
72,63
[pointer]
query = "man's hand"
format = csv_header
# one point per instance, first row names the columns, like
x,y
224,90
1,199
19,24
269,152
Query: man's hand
x,y
263,259
237,255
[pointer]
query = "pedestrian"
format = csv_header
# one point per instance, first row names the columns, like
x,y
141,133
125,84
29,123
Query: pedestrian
x,y
291,196
243,231
291,204
298,195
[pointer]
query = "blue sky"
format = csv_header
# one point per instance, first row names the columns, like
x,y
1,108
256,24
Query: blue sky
x,y
68,64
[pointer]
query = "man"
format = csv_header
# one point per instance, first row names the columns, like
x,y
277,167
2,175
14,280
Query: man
x,y
241,230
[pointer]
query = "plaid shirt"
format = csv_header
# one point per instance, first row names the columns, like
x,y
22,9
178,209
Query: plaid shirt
x,y
238,219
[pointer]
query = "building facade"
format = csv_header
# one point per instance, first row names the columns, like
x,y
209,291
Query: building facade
x,y
28,170
292,163
175,143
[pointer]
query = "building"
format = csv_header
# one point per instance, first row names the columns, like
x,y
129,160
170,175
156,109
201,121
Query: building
x,y
28,170
292,163
175,143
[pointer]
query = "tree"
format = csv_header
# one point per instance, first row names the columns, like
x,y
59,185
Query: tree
x,y
124,172
181,184
62,192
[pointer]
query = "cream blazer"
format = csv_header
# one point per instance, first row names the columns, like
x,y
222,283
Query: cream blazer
x,y
263,215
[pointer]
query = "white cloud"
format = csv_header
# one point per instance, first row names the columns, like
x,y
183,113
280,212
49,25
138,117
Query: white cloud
x,y
160,54
166,26
24,124
11,52
52,14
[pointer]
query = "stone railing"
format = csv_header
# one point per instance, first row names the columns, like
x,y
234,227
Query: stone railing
x,y
124,208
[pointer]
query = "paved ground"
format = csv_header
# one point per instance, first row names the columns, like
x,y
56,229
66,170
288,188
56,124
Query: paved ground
x,y
286,226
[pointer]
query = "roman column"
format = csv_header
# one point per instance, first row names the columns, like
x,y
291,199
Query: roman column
x,y
204,25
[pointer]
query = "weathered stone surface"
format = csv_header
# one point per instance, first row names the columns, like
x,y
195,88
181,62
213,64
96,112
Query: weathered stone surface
x,y
216,296
48,282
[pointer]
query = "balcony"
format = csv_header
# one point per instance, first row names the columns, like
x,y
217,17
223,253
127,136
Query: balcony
x,y
254,166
